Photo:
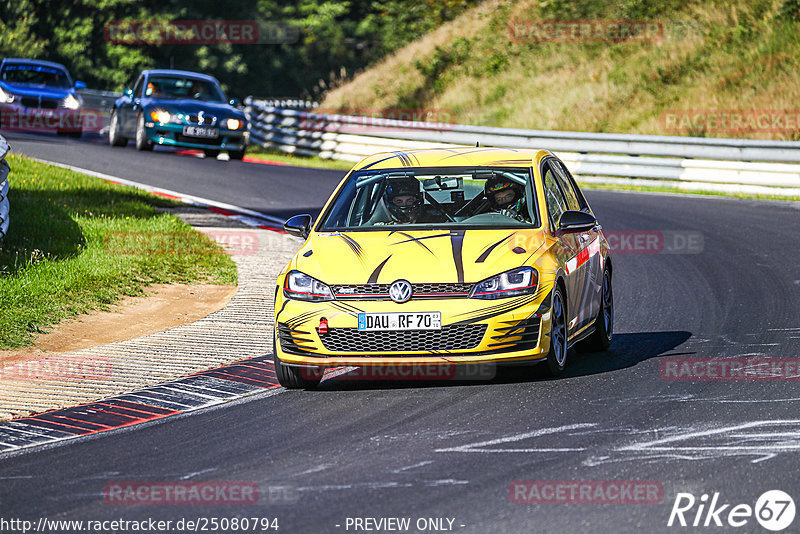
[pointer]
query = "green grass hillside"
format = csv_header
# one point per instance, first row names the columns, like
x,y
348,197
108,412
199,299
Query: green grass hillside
x,y
718,55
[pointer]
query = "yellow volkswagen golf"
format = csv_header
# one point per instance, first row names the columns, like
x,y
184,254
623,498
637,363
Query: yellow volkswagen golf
x,y
445,257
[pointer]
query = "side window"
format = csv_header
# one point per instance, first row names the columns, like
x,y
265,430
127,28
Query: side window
x,y
569,185
556,205
573,201
137,89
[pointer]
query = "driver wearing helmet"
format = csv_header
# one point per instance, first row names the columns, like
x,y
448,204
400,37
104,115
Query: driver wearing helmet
x,y
404,200
506,197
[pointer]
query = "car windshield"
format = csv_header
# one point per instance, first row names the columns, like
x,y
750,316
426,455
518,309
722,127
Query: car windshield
x,y
181,87
440,197
35,75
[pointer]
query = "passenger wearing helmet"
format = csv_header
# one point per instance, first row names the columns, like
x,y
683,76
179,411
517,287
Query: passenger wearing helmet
x,y
506,197
404,200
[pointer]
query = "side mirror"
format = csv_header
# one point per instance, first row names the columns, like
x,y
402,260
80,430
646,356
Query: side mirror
x,y
234,102
576,221
80,85
299,225
128,92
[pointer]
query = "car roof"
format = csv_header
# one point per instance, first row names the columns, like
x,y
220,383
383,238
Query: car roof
x,y
454,157
34,62
173,72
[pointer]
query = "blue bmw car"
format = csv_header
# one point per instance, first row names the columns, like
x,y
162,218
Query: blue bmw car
x,y
180,109
39,96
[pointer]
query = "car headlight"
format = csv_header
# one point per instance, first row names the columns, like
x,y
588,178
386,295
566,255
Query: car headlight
x,y
300,286
6,98
160,116
519,281
233,124
70,102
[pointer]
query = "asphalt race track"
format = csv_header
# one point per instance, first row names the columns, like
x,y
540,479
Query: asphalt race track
x,y
452,450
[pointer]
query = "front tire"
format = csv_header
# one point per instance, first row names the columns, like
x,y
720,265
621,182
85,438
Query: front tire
x,y
237,154
294,377
557,357
115,138
600,339
142,142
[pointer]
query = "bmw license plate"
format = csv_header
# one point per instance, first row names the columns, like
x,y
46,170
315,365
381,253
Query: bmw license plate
x,y
400,321
198,131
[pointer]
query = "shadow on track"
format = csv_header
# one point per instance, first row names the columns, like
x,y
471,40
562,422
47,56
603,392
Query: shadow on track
x,y
626,351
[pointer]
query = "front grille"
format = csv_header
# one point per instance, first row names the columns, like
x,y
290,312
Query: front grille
x,y
34,102
419,291
294,340
456,337
180,138
524,334
208,120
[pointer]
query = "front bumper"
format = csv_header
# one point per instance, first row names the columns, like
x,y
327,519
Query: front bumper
x,y
473,331
172,135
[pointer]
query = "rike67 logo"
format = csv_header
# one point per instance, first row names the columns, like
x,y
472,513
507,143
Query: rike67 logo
x,y
774,510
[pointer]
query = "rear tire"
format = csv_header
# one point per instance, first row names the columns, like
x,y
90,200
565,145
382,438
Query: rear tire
x,y
211,152
115,138
600,339
142,142
294,377
557,357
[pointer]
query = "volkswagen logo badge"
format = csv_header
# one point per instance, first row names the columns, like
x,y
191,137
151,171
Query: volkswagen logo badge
x,y
400,291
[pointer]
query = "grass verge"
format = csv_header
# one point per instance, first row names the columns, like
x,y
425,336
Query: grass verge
x,y
298,161
77,244
657,189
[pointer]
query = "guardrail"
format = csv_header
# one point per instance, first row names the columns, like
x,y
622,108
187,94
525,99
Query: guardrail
x,y
5,208
100,100
101,103
708,164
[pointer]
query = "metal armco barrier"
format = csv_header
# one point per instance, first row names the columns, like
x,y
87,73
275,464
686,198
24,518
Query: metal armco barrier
x,y
100,102
711,164
5,208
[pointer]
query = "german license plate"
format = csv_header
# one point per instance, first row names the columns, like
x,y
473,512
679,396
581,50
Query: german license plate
x,y
198,131
400,321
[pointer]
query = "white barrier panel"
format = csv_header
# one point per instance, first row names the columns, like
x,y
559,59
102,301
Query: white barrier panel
x,y
737,163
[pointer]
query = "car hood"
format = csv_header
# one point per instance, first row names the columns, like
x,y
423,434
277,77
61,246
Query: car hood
x,y
29,89
192,106
417,256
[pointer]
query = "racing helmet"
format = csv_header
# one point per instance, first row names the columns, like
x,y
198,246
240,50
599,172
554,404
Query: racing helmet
x,y
499,184
403,209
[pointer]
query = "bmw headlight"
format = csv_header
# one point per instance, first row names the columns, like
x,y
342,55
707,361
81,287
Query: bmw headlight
x,y
70,102
300,286
161,116
6,98
519,281
233,124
